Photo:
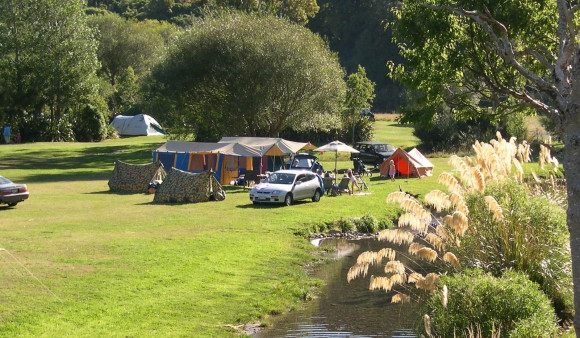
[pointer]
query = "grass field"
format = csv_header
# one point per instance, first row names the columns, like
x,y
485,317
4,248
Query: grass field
x,y
77,260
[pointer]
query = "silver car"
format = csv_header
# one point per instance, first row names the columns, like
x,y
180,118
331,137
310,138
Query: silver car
x,y
287,186
12,193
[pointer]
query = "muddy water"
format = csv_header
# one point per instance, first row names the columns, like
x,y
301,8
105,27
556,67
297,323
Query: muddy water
x,y
347,310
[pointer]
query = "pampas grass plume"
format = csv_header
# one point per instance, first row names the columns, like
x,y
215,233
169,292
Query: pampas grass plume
x,y
396,236
400,298
494,207
387,253
459,222
427,323
450,258
427,254
357,270
450,181
415,247
415,277
435,241
444,296
438,199
395,267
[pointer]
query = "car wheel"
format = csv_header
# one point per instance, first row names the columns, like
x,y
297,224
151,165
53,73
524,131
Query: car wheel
x,y
256,203
316,197
12,204
288,200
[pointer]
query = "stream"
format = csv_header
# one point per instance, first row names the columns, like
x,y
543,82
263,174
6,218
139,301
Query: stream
x,y
346,310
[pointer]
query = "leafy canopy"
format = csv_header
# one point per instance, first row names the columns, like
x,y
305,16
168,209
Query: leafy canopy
x,y
451,60
240,74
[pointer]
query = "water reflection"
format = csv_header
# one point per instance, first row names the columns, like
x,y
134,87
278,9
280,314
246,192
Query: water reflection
x,y
347,310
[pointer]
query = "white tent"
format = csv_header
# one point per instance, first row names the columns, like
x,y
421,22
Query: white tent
x,y
140,124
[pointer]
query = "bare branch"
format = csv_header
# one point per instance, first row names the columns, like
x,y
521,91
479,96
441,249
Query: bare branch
x,y
502,43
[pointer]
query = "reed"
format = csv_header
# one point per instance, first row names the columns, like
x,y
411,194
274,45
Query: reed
x,y
444,296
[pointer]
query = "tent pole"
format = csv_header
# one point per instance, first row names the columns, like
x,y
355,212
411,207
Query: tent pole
x,y
335,164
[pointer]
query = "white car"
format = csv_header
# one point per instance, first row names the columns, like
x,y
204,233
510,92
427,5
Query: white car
x,y
287,186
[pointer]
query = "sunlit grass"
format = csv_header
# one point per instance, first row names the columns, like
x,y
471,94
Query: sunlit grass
x,y
81,261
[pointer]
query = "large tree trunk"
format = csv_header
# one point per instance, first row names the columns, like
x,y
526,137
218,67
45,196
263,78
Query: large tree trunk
x,y
570,128
571,167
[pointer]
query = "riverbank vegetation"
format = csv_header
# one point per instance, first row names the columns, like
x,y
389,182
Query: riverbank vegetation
x,y
492,218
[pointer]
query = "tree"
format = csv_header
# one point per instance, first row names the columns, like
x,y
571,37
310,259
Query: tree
x,y
240,74
47,58
125,43
512,55
360,92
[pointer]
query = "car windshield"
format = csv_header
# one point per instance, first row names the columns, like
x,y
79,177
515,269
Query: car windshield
x,y
384,147
281,178
302,163
4,180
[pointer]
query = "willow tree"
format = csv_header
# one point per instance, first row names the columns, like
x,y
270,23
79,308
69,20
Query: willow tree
x,y
247,75
501,57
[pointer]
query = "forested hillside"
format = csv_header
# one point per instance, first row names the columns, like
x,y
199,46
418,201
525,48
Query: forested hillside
x,y
354,29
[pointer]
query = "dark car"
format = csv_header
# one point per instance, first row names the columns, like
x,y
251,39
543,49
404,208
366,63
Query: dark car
x,y
12,193
304,162
373,153
366,112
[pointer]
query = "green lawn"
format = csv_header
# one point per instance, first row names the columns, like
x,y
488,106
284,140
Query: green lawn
x,y
80,261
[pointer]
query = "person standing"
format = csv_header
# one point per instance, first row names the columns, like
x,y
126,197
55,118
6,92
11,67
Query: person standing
x,y
6,134
392,170
352,179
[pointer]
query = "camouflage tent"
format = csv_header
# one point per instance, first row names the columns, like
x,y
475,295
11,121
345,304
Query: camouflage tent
x,y
135,178
184,187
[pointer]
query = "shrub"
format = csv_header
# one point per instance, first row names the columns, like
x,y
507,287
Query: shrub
x,y
367,224
532,239
90,125
511,304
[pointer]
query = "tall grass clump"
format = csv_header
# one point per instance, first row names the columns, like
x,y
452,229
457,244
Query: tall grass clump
x,y
531,237
509,306
489,219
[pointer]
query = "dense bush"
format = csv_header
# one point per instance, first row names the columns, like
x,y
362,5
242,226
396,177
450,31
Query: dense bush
x,y
512,305
532,239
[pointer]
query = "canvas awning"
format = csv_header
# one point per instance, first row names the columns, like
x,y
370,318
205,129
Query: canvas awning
x,y
267,145
233,149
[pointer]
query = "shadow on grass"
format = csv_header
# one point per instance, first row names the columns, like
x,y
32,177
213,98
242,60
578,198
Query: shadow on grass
x,y
92,157
65,177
